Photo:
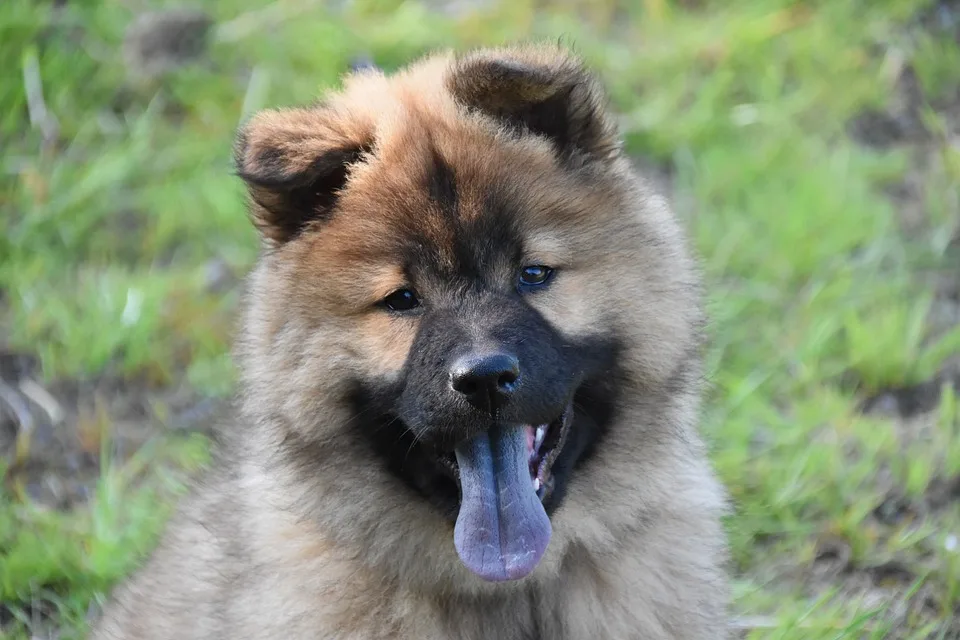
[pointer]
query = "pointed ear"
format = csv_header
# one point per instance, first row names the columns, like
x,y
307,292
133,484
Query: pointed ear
x,y
539,90
294,163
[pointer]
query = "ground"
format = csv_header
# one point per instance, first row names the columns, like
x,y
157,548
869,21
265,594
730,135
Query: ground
x,y
813,150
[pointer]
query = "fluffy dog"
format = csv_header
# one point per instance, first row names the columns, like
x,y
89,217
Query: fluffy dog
x,y
471,366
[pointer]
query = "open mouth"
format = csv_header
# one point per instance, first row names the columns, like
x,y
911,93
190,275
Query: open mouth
x,y
544,444
502,529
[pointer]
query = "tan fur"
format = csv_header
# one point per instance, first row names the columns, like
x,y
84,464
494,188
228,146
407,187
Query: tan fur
x,y
334,547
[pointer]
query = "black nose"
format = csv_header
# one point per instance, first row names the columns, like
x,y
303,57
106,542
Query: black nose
x,y
485,379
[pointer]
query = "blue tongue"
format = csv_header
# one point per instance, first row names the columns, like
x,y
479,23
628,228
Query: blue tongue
x,y
502,530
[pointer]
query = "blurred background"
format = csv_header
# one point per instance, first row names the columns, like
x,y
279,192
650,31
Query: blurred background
x,y
812,149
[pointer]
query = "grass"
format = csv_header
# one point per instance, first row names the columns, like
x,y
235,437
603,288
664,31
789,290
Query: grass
x,y
118,203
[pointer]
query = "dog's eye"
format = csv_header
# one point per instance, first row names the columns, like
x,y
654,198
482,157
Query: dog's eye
x,y
402,300
535,275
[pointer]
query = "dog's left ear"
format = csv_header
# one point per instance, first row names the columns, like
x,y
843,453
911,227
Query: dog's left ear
x,y
541,90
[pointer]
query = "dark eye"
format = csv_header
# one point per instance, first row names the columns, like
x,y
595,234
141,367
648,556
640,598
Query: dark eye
x,y
535,275
402,300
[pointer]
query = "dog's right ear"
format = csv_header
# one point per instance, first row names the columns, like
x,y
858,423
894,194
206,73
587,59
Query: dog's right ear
x,y
295,162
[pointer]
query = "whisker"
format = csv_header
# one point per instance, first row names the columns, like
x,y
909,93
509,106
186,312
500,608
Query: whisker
x,y
416,438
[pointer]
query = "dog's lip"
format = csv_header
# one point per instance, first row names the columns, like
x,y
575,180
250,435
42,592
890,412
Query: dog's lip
x,y
554,441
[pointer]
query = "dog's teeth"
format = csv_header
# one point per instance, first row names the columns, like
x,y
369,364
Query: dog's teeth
x,y
536,484
538,439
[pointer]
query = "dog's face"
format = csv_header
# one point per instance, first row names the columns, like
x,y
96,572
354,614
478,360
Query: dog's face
x,y
460,282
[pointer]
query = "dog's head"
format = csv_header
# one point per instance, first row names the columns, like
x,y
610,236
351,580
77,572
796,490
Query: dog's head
x,y
462,288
